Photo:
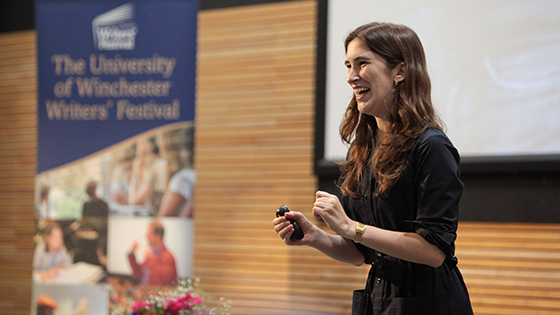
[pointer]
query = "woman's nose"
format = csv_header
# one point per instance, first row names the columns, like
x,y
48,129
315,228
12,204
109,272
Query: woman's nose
x,y
351,76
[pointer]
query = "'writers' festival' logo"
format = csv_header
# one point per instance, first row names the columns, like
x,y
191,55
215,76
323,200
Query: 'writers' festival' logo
x,y
115,29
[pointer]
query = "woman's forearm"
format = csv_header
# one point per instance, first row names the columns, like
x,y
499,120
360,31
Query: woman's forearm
x,y
338,248
408,246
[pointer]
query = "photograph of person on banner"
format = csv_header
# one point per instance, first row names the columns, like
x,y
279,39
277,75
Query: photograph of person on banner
x,y
178,199
65,255
51,254
158,267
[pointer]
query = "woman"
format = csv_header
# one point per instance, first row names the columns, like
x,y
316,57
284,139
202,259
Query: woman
x,y
400,183
178,198
149,175
51,255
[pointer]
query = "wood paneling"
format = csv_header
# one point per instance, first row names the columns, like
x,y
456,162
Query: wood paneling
x,y
254,149
511,268
254,152
17,169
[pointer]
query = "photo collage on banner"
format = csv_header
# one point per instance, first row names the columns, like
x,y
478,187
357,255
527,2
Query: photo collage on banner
x,y
115,178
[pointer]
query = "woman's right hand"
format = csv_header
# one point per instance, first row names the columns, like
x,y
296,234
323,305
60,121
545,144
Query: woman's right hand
x,y
334,246
285,229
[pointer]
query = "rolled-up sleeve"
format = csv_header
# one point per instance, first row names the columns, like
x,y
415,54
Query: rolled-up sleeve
x,y
439,190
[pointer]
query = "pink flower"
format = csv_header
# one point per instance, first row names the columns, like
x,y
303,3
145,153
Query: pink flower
x,y
183,303
174,307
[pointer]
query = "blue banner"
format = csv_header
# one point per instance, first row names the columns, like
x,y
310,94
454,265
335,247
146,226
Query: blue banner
x,y
115,178
108,70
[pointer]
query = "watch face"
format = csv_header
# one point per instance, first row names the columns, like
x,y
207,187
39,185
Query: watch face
x,y
360,229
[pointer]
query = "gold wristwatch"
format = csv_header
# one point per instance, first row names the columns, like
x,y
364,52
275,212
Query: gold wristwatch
x,y
360,229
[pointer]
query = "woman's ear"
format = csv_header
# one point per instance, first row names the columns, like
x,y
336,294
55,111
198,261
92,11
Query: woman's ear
x,y
399,72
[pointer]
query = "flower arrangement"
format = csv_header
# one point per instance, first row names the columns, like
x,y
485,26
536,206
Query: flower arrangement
x,y
169,306
180,300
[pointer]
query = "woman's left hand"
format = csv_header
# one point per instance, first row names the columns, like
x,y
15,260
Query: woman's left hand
x,y
328,207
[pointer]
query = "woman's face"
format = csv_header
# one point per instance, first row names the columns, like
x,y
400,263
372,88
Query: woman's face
x,y
370,78
143,148
55,239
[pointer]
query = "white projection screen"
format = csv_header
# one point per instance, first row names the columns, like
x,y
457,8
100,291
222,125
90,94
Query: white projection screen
x,y
494,66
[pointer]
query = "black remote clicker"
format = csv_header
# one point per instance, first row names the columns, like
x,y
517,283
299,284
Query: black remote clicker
x,y
298,233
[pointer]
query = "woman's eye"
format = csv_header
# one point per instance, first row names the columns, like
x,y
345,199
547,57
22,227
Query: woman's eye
x,y
363,64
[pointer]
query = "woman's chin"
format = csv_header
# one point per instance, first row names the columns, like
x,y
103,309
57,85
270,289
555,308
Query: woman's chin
x,y
365,109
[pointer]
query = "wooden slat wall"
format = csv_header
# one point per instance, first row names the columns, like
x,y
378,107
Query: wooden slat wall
x,y
254,142
17,169
254,152
511,268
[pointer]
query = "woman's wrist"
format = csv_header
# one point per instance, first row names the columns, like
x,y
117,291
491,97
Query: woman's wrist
x,y
350,230
318,237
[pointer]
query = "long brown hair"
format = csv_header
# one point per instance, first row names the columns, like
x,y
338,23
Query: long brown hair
x,y
410,110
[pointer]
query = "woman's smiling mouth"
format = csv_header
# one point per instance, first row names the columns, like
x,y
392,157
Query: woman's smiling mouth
x,y
360,92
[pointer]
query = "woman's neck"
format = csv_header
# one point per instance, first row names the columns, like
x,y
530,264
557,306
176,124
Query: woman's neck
x,y
381,124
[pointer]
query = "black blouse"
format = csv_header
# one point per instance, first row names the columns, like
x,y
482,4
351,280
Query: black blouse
x,y
423,200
